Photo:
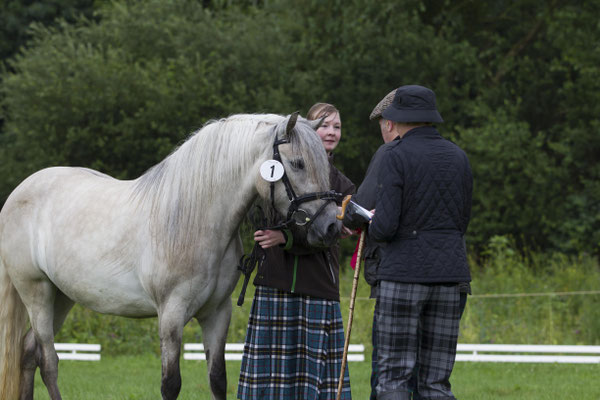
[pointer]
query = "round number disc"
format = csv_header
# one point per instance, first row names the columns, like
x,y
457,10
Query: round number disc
x,y
271,170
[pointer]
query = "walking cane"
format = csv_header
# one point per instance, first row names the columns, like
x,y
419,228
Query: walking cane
x,y
361,242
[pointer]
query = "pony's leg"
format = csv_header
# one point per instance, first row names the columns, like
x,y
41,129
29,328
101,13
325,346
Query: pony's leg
x,y
32,355
215,324
171,324
29,363
214,332
40,301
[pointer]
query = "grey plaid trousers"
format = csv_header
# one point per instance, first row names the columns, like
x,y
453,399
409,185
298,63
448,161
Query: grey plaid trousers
x,y
416,323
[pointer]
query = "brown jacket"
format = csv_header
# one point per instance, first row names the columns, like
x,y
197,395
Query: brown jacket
x,y
314,274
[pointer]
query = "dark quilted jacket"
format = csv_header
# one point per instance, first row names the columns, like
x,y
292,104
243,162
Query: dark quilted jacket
x,y
423,209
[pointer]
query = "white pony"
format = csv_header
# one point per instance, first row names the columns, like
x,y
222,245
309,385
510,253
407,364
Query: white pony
x,y
166,244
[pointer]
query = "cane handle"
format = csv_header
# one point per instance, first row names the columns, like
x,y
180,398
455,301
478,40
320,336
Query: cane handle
x,y
344,204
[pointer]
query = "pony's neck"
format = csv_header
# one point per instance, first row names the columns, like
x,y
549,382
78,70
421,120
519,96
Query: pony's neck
x,y
205,187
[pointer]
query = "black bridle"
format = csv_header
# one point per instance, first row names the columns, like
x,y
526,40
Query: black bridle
x,y
295,214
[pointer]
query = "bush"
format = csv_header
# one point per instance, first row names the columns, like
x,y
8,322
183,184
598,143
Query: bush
x,y
527,297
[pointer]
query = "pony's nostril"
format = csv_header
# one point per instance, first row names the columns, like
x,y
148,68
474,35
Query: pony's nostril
x,y
331,234
332,229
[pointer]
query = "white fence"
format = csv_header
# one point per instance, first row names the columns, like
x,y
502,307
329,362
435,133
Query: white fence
x,y
78,351
528,353
520,353
465,352
234,351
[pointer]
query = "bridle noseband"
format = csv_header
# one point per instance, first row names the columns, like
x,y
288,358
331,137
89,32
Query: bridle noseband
x,y
295,214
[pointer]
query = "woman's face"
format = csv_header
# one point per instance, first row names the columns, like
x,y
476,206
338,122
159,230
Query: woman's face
x,y
331,131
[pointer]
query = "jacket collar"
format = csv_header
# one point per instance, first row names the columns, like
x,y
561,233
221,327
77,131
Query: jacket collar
x,y
427,130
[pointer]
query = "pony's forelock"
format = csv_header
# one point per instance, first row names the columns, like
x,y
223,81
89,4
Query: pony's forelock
x,y
307,145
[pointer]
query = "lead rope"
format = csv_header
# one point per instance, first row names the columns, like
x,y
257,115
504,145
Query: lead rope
x,y
247,265
257,256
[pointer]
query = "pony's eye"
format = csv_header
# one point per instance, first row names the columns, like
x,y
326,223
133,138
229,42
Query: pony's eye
x,y
297,164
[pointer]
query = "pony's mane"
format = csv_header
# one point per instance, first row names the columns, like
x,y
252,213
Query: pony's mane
x,y
179,187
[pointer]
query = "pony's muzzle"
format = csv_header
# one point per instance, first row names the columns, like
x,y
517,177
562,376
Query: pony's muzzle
x,y
332,233
325,229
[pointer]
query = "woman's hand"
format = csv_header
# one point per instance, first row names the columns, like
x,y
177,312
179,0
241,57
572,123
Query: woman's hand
x,y
269,238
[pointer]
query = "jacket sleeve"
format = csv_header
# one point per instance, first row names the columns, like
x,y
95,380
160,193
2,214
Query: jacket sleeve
x,y
345,187
366,193
467,196
386,220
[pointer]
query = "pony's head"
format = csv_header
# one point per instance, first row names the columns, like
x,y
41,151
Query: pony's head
x,y
294,181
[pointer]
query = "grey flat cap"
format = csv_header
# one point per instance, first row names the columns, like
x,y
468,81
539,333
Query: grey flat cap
x,y
382,105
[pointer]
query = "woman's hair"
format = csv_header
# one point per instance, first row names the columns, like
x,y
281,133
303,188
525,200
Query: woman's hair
x,y
320,110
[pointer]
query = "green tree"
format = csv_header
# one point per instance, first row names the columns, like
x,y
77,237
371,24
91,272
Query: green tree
x,y
117,95
17,15
537,110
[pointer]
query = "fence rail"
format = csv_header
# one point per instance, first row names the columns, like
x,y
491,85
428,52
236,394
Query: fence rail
x,y
234,351
528,353
520,353
78,351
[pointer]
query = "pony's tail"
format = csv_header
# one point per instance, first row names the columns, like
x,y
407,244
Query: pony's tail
x,y
13,318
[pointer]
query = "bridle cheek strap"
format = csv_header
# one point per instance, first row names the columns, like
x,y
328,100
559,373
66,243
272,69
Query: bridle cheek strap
x,y
295,201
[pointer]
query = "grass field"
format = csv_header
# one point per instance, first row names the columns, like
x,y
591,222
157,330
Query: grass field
x,y
566,313
138,377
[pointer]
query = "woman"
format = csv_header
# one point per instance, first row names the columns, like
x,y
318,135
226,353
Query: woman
x,y
295,338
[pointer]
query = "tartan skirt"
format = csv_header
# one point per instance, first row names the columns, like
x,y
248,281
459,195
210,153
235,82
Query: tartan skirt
x,y
294,348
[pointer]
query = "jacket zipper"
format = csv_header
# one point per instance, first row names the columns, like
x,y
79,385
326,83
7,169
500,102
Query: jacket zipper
x,y
328,258
295,271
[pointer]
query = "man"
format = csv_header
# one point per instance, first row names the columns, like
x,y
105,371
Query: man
x,y
365,197
423,206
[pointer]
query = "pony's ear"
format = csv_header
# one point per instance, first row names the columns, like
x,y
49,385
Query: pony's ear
x,y
316,124
291,123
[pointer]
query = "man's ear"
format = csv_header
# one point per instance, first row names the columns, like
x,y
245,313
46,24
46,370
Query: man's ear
x,y
389,125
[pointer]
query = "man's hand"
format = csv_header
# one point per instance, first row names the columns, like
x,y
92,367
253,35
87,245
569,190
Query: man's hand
x,y
355,216
269,238
346,232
